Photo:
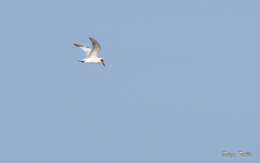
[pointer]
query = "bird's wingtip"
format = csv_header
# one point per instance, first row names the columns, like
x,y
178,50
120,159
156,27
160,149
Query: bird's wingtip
x,y
92,39
78,45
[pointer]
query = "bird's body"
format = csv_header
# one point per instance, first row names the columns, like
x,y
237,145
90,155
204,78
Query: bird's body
x,y
91,53
91,60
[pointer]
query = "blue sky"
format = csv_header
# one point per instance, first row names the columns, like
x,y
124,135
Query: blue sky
x,y
181,82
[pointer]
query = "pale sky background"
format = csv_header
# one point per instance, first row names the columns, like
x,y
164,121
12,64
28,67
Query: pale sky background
x,y
181,82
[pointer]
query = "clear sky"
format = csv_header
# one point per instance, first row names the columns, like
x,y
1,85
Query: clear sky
x,y
181,82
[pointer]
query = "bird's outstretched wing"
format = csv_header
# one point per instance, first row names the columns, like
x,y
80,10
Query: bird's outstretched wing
x,y
84,48
96,47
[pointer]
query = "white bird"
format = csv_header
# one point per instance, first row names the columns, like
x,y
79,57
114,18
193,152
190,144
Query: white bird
x,y
228,154
244,154
91,53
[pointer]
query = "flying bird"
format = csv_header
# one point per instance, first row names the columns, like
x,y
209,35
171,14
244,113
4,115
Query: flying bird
x,y
91,53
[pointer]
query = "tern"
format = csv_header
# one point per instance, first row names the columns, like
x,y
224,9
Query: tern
x,y
91,53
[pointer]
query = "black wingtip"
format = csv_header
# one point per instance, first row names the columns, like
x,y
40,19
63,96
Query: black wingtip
x,y
92,39
77,45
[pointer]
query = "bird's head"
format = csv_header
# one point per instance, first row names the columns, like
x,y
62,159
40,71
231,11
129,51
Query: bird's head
x,y
102,61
